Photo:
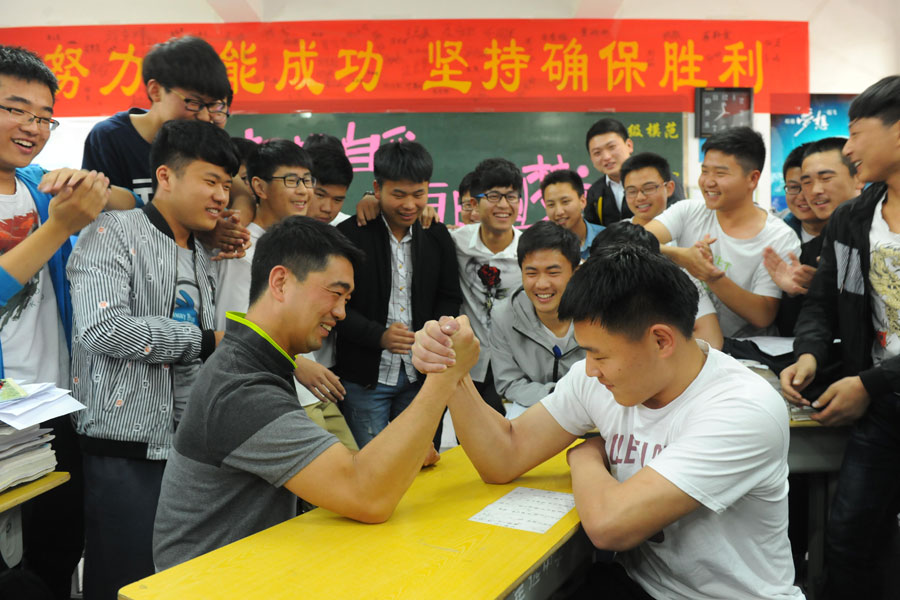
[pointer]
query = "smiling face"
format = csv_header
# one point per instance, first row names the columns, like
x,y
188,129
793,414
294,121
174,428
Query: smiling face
x,y
21,143
794,196
401,203
276,200
545,274
317,303
874,148
621,364
724,183
645,204
827,182
564,205
498,218
193,196
608,151
171,106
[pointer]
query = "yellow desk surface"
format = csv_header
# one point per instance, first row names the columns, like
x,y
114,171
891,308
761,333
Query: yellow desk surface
x,y
22,493
427,549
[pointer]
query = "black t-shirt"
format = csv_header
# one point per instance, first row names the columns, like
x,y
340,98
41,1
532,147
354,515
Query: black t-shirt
x,y
116,148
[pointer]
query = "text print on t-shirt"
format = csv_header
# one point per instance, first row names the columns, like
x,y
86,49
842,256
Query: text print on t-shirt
x,y
622,451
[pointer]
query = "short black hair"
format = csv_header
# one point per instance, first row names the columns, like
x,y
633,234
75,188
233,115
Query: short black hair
x,y
623,232
271,154
181,142
301,244
743,143
330,165
547,235
794,159
496,172
627,288
315,140
402,161
244,148
636,162
563,176
881,100
830,144
190,63
605,126
24,64
465,184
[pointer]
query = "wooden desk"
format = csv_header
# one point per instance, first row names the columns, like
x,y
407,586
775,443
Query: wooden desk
x,y
19,494
427,549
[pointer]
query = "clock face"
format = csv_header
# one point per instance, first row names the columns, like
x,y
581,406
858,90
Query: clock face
x,y
721,109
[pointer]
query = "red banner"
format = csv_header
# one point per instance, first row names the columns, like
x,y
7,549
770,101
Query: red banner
x,y
441,66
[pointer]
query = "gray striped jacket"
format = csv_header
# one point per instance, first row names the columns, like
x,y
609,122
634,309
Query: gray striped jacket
x,y
122,274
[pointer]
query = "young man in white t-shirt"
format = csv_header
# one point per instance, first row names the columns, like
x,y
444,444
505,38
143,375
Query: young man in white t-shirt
x,y
855,296
688,477
721,241
488,263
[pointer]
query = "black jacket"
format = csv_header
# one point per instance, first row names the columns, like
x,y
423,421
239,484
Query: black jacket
x,y
435,292
838,304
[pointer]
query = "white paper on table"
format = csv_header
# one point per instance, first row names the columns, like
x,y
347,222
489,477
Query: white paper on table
x,y
773,345
18,407
45,412
527,509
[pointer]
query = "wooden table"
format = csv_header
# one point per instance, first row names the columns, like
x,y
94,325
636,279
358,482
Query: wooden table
x,y
427,549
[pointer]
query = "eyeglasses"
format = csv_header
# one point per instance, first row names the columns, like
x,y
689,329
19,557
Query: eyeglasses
x,y
218,110
23,117
292,181
647,189
467,206
793,188
494,197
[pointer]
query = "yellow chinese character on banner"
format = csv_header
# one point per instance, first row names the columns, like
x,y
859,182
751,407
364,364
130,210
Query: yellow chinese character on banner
x,y
297,69
240,65
511,60
682,64
634,130
128,59
368,57
653,130
63,63
743,65
442,55
624,66
671,131
573,66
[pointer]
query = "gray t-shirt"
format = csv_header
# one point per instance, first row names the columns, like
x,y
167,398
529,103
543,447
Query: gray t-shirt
x,y
185,309
242,437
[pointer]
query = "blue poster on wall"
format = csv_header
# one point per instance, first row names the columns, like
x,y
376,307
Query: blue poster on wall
x,y
827,117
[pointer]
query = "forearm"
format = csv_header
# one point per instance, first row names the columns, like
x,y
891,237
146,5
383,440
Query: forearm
x,y
120,199
757,310
32,253
595,499
146,339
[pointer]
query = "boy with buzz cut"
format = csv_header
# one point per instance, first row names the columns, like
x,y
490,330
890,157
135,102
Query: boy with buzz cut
x,y
142,299
184,79
39,211
411,277
488,262
532,346
720,241
563,194
854,297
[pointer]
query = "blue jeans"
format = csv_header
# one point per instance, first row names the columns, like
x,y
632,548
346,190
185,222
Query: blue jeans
x,y
863,516
368,410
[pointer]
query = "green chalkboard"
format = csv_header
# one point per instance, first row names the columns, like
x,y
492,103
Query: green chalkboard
x,y
536,142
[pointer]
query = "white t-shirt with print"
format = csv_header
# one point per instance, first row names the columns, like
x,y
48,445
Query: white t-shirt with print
x,y
689,221
724,442
31,335
884,276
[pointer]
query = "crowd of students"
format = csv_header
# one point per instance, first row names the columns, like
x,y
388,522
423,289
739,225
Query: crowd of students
x,y
240,343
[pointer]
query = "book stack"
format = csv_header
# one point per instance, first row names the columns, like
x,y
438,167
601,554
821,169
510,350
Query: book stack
x,y
25,451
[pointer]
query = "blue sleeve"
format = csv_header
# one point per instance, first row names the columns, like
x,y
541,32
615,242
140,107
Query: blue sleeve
x,y
9,287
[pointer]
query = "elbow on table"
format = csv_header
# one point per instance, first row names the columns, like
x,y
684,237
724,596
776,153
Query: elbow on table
x,y
606,534
371,512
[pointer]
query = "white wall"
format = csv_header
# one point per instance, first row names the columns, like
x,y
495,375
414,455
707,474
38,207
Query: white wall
x,y
853,43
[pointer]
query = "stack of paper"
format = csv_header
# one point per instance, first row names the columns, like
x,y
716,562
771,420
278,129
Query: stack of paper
x,y
29,404
25,455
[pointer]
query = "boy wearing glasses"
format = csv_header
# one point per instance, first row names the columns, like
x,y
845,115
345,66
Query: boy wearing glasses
x,y
467,212
488,263
648,186
410,277
185,79
563,193
720,242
